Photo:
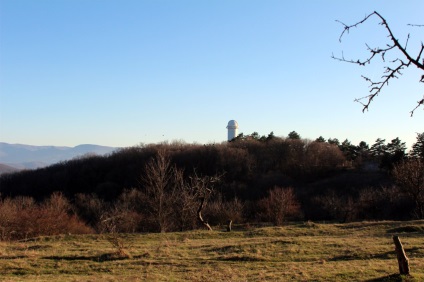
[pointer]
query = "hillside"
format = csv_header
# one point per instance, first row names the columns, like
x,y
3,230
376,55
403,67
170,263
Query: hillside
x,y
7,169
323,186
22,156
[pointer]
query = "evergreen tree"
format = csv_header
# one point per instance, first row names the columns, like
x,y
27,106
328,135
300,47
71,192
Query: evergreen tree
x,y
320,139
378,149
395,153
294,135
333,141
348,150
239,137
363,149
255,135
418,147
270,136
396,147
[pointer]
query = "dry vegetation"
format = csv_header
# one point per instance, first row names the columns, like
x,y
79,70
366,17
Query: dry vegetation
x,y
299,252
177,188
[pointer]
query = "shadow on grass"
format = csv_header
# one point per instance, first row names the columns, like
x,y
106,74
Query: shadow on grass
x,y
393,278
386,255
12,257
73,258
101,258
406,229
241,258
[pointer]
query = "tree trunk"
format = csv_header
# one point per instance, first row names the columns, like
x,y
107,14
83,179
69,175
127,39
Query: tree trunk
x,y
403,261
229,226
199,214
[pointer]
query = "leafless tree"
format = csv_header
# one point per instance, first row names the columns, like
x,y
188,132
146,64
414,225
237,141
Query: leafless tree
x,y
203,185
185,203
160,189
409,175
395,66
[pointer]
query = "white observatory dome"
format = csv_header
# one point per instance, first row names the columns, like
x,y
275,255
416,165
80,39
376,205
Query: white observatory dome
x,y
232,129
232,124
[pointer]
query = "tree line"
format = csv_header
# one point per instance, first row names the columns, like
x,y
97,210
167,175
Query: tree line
x,y
177,186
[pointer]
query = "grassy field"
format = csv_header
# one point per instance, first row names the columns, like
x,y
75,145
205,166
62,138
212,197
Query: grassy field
x,y
296,252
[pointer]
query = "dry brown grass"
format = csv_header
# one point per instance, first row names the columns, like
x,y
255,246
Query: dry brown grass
x,y
297,252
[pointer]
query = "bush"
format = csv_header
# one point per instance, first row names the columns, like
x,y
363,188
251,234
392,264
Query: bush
x,y
90,208
22,218
409,175
280,204
219,212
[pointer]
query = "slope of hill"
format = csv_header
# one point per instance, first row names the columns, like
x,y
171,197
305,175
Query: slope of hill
x,y
20,156
7,169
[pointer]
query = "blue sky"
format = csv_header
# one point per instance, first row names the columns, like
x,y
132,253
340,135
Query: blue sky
x,y
121,73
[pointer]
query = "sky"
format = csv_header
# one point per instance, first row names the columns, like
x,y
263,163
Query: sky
x,y
128,72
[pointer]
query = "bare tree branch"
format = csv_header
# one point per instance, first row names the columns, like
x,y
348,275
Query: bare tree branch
x,y
199,214
390,72
421,102
203,185
347,27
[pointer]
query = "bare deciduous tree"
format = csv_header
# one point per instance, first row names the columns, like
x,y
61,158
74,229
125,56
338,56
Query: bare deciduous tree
x,y
409,175
395,66
160,190
185,203
203,186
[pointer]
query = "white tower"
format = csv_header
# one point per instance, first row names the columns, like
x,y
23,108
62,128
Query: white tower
x,y
232,129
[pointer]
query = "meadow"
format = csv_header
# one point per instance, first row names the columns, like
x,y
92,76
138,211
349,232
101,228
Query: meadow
x,y
302,251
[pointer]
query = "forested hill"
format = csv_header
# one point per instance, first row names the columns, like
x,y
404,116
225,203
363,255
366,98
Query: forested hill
x,y
249,169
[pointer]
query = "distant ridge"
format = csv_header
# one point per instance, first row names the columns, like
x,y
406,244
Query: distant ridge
x,y
21,156
7,169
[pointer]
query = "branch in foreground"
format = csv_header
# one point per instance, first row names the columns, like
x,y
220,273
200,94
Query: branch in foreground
x,y
390,72
421,102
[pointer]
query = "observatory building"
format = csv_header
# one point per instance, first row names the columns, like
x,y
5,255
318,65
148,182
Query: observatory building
x,y
232,129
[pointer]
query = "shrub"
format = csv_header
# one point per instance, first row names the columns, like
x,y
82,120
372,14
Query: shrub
x,y
340,207
90,208
409,175
280,204
22,218
219,212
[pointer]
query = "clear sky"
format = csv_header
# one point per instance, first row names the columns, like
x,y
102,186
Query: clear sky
x,y
122,72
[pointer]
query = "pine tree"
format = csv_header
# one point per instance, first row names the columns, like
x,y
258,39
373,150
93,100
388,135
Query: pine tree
x,y
378,149
294,135
418,147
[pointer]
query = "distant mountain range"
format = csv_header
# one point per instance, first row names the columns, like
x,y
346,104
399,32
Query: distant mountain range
x,y
14,157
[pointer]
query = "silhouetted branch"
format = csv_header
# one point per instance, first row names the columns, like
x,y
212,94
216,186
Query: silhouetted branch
x,y
199,214
348,27
203,185
421,102
390,72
